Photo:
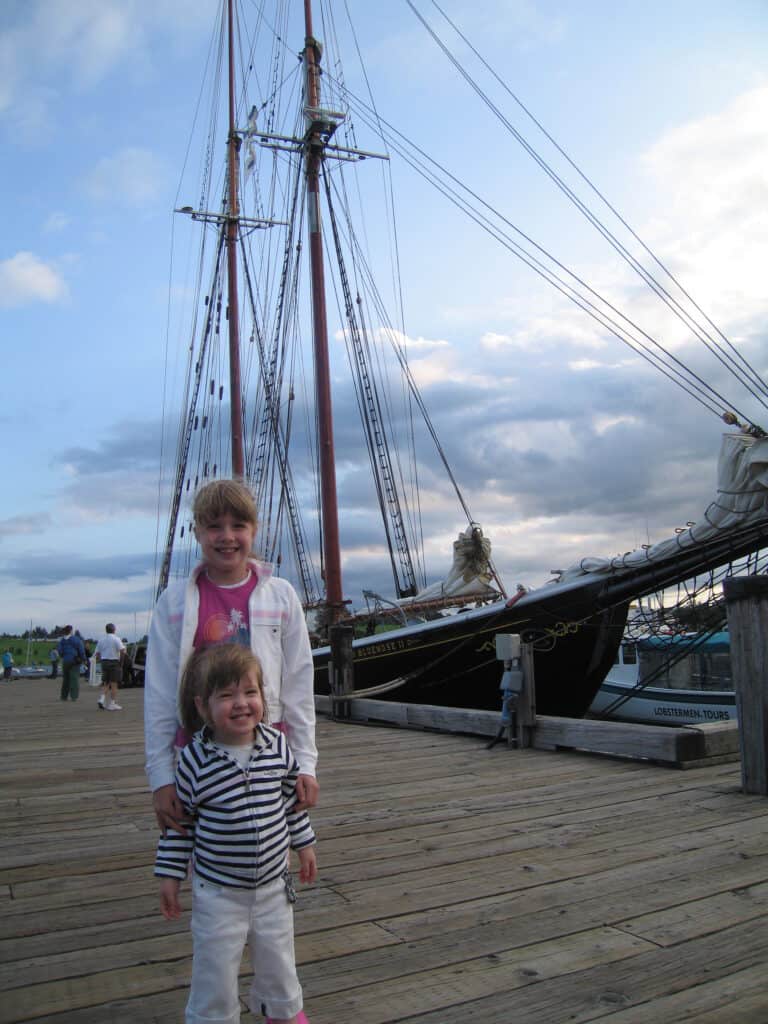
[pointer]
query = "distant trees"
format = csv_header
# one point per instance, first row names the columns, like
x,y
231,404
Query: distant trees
x,y
41,633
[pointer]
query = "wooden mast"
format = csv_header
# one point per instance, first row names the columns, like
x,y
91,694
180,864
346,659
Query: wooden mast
x,y
328,500
233,311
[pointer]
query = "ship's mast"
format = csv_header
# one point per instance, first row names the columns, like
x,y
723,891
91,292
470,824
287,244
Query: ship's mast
x,y
233,312
328,500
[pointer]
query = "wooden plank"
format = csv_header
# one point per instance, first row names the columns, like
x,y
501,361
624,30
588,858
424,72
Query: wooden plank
x,y
738,997
500,974
718,738
651,742
456,883
629,990
422,716
683,745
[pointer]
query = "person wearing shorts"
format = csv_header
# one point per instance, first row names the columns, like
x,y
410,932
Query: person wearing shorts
x,y
109,654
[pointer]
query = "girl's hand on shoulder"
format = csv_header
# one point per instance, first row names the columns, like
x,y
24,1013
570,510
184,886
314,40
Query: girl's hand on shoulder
x,y
169,898
307,865
169,810
307,792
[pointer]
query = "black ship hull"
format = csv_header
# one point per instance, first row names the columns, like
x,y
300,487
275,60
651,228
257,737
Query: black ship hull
x,y
575,629
452,662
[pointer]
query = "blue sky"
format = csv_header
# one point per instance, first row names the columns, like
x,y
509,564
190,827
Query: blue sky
x,y
570,446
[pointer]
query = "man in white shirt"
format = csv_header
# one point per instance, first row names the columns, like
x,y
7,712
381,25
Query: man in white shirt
x,y
109,653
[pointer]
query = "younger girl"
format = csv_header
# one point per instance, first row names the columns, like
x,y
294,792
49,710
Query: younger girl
x,y
236,781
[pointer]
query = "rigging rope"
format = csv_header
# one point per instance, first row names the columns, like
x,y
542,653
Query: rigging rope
x,y
758,381
675,370
756,384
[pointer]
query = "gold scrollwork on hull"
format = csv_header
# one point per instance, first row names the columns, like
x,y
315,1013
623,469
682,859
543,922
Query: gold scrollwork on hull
x,y
562,629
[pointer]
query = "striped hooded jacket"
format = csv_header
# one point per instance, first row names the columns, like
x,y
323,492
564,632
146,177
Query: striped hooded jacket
x,y
242,821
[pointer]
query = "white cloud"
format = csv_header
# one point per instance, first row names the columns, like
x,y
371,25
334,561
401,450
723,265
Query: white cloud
x,y
57,221
602,424
23,525
10,70
541,333
86,38
133,176
709,225
713,222
25,279
58,46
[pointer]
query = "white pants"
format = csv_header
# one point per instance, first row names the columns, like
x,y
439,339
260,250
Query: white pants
x,y
223,919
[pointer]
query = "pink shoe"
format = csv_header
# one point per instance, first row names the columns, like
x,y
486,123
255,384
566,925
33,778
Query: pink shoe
x,y
301,1019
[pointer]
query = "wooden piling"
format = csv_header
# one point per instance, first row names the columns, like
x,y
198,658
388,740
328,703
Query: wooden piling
x,y
747,603
341,670
525,719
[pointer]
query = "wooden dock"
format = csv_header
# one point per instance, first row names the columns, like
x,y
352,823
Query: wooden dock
x,y
457,884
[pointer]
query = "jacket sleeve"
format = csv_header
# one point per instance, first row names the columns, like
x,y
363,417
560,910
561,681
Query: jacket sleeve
x,y
173,854
174,850
160,685
298,685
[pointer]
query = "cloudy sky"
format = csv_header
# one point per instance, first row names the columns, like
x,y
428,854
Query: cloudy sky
x,y
566,442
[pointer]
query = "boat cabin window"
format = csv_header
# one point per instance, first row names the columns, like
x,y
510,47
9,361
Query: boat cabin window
x,y
627,655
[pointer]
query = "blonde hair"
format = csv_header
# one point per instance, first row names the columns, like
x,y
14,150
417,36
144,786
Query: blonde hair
x,y
212,668
220,497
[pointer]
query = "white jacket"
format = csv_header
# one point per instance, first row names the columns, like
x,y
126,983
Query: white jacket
x,y
280,640
243,817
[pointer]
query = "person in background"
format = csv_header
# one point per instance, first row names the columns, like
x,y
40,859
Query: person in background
x,y
109,653
54,656
236,781
85,667
126,665
230,598
72,653
7,664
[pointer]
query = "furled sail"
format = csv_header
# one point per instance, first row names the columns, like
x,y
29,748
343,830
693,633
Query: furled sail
x,y
741,501
470,574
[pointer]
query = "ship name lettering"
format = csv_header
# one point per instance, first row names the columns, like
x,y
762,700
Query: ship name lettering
x,y
389,645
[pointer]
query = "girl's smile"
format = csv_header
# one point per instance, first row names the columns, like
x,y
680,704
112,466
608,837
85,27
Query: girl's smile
x,y
226,544
233,711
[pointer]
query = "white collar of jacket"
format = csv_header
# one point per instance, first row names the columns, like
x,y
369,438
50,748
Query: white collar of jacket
x,y
263,570
265,737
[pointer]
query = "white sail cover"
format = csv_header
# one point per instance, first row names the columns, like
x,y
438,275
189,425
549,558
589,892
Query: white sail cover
x,y
742,499
470,574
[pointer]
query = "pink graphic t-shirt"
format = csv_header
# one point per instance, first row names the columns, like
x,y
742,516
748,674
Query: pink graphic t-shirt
x,y
223,614
222,619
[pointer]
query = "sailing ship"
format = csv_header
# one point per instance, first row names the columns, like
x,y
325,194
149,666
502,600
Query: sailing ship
x,y
249,419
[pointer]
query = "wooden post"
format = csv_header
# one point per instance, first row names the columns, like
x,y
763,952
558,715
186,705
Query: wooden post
x,y
746,599
341,671
525,720
518,691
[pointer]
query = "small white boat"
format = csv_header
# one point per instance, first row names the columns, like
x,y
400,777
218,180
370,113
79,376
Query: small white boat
x,y
31,671
688,681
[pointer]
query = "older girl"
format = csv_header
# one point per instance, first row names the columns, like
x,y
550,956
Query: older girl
x,y
229,598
